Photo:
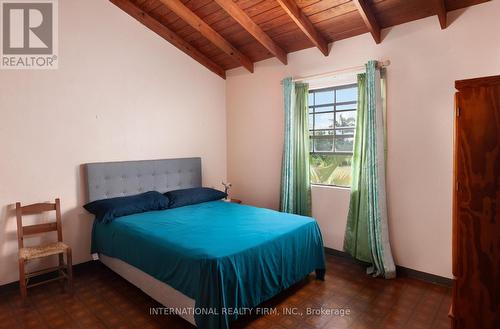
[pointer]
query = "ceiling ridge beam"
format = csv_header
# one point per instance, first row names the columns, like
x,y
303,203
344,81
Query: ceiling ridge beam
x,y
304,24
208,32
233,10
441,13
167,34
369,18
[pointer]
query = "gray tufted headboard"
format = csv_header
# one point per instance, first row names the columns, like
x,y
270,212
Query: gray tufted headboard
x,y
113,179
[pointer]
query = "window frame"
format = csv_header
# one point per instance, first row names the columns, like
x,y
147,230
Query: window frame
x,y
333,105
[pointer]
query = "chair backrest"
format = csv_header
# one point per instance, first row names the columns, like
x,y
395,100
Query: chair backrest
x,y
34,209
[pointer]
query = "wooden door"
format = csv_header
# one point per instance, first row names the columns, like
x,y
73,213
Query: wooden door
x,y
476,263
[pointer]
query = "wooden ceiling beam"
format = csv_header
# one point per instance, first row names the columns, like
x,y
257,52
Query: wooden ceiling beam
x,y
369,18
169,35
441,13
233,10
304,24
207,31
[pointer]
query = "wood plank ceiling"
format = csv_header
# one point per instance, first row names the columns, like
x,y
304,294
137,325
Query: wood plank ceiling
x,y
225,34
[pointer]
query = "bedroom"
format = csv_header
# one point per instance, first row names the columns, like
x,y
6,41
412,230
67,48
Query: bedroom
x,y
119,90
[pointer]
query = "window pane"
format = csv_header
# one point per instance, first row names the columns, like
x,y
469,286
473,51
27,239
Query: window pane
x,y
323,144
323,97
344,144
353,106
347,95
331,169
324,109
323,121
332,135
311,121
345,119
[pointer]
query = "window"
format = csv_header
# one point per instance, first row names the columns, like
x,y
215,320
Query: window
x,y
332,120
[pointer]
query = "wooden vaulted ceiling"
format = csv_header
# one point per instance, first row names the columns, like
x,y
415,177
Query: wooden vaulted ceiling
x,y
225,34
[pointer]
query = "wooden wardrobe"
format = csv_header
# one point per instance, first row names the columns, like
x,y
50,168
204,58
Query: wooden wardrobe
x,y
476,205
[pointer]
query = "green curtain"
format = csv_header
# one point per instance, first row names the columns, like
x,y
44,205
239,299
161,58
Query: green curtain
x,y
295,194
367,235
356,240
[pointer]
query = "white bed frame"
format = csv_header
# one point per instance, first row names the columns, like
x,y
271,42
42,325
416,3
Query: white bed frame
x,y
156,289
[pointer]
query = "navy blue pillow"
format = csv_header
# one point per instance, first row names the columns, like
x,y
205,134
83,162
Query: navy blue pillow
x,y
108,209
185,197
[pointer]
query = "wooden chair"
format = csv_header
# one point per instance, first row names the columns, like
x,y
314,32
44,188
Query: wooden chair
x,y
56,248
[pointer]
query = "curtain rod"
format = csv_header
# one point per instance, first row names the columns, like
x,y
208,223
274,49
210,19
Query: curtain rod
x,y
380,64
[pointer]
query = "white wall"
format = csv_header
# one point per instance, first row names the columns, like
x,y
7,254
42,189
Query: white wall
x,y
120,93
425,63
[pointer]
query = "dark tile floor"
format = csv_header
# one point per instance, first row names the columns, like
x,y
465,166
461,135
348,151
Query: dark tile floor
x,y
104,300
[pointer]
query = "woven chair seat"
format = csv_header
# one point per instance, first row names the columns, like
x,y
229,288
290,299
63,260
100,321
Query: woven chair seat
x,y
42,250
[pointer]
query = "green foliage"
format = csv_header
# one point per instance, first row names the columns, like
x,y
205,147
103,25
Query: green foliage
x,y
331,169
343,121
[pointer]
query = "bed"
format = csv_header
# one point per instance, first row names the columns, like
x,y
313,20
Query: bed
x,y
204,261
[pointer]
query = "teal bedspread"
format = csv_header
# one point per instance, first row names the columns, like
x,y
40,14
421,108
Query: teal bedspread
x,y
222,255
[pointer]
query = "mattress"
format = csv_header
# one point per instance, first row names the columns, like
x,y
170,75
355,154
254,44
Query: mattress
x,y
222,255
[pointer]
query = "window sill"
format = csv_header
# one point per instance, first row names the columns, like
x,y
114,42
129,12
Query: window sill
x,y
330,187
